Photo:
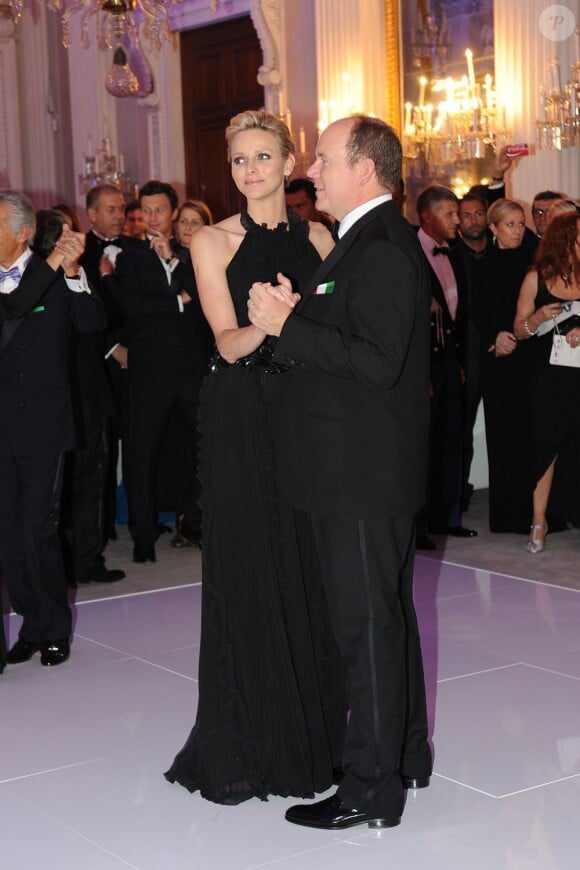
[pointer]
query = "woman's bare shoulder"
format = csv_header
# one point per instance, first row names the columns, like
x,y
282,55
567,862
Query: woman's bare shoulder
x,y
320,238
223,237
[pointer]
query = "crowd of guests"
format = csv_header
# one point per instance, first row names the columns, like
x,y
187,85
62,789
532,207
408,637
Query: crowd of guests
x,y
135,383
332,358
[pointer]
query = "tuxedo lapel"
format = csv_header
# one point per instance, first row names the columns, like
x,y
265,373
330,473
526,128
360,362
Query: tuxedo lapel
x,y
335,256
7,330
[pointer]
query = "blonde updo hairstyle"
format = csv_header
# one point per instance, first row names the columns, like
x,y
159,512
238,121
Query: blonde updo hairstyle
x,y
259,119
500,209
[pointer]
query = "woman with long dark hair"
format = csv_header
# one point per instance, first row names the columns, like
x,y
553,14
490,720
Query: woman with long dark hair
x,y
547,291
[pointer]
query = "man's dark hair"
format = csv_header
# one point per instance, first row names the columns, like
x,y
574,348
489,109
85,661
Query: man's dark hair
x,y
154,187
475,197
298,184
49,224
371,137
433,195
94,194
132,206
544,195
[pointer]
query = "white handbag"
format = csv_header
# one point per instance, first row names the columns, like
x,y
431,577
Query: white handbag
x,y
562,353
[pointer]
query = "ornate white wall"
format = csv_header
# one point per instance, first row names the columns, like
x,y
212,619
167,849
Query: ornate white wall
x,y
522,51
307,45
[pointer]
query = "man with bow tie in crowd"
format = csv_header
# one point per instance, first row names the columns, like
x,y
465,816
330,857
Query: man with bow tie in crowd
x,y
105,206
37,421
438,211
169,345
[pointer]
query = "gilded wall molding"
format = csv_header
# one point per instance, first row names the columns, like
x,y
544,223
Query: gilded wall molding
x,y
393,64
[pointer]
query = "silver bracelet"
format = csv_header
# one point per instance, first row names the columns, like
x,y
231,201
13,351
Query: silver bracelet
x,y
526,326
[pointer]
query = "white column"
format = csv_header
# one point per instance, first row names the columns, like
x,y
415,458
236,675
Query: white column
x,y
11,174
39,138
350,57
522,51
162,113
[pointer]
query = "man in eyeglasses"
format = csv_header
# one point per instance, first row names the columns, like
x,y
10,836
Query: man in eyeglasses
x,y
541,206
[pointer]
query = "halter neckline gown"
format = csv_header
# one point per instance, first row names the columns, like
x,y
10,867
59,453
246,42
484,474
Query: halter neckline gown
x,y
271,710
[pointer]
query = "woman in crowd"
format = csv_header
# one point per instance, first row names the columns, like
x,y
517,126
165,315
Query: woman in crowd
x,y
504,373
192,215
262,725
545,294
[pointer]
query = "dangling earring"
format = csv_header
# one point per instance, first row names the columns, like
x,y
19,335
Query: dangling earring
x,y
494,239
286,180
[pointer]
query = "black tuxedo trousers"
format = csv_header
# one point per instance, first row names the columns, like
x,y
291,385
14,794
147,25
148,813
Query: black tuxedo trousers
x,y
367,573
30,546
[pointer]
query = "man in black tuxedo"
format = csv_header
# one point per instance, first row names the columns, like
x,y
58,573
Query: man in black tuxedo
x,y
37,428
15,302
352,457
105,207
168,343
438,209
86,468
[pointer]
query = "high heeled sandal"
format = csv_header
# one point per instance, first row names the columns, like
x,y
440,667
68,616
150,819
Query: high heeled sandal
x,y
535,544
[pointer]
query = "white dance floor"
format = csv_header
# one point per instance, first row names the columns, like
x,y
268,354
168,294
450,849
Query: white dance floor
x,y
84,746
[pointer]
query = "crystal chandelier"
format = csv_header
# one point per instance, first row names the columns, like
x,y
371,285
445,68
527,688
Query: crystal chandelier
x,y
458,122
116,19
559,123
116,23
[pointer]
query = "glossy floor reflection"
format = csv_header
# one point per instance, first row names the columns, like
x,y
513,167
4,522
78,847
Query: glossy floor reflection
x,y
84,746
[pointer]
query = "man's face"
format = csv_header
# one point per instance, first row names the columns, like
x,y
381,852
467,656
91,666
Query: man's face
x,y
334,179
443,220
158,214
302,205
472,220
134,224
12,244
108,217
540,213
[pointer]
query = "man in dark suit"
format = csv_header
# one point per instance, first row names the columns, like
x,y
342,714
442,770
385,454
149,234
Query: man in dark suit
x,y
37,428
168,343
352,456
15,302
86,468
105,207
438,209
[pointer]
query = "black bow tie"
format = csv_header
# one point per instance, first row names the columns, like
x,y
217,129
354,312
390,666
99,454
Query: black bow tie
x,y
440,250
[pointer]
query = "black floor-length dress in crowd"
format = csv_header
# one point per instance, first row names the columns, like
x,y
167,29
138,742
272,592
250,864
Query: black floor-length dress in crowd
x,y
555,415
506,384
271,710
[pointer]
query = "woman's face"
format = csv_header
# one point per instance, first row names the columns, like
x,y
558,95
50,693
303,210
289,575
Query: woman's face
x,y
509,231
258,168
189,222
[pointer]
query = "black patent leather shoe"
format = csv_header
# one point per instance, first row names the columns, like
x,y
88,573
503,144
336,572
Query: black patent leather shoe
x,y
144,554
54,652
102,575
461,532
333,815
22,651
456,532
412,783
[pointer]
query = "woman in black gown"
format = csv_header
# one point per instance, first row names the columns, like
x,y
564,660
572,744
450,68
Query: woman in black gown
x,y
555,428
271,708
505,364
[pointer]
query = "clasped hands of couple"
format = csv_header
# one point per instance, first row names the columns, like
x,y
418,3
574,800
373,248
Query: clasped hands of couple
x,y
269,305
